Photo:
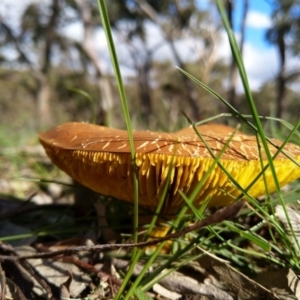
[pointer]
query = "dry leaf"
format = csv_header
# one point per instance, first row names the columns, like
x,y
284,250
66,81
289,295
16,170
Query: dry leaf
x,y
293,283
237,283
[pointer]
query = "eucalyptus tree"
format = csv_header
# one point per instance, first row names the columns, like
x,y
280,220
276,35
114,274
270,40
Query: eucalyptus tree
x,y
43,47
284,34
35,42
230,4
179,24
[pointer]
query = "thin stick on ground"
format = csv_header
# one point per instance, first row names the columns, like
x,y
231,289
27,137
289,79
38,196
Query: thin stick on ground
x,y
222,214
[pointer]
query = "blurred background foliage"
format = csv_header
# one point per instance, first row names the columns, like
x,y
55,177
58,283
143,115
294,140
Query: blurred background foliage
x,y
43,59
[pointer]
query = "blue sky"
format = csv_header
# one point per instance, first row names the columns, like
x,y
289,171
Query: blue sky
x,y
259,12
259,5
260,58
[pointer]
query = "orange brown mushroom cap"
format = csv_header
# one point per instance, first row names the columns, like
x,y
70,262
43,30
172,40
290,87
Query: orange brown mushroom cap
x,y
99,158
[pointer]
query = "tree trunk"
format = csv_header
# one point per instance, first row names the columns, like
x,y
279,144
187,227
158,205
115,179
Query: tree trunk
x,y
281,78
44,113
103,82
44,90
233,67
145,92
190,92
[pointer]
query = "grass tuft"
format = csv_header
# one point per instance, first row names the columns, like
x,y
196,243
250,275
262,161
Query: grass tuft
x,y
277,249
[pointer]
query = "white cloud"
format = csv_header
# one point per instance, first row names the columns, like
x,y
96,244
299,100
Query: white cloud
x,y
74,31
261,65
223,48
258,20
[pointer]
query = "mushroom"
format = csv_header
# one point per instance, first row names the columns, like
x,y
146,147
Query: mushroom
x,y
99,158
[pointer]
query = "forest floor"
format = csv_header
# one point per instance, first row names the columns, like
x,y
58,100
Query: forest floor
x,y
39,214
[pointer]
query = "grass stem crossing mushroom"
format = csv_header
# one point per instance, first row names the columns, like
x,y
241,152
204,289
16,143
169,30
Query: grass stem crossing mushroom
x,y
99,158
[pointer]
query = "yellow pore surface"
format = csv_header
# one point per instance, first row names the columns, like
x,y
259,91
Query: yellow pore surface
x,y
99,158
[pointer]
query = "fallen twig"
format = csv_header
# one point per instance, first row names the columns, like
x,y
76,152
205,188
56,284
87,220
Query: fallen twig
x,y
219,216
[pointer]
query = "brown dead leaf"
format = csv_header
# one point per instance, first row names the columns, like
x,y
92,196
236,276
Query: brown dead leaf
x,y
293,283
232,280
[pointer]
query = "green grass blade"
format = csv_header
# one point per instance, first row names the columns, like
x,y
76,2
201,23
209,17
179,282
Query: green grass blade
x,y
239,61
114,59
158,247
